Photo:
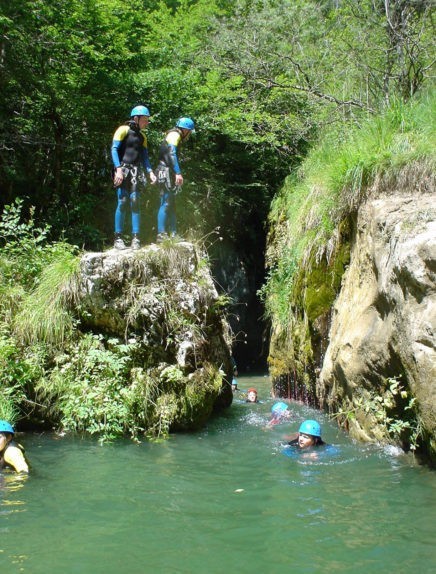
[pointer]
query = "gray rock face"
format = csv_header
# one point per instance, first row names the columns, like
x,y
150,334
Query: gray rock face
x,y
385,315
162,299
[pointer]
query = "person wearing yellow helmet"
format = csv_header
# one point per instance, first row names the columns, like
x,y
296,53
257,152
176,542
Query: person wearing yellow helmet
x,y
11,454
129,155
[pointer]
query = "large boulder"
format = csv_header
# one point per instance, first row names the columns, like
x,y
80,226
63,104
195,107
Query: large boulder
x,y
162,299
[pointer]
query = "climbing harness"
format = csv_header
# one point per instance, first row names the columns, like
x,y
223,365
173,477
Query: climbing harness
x,y
163,176
164,179
127,169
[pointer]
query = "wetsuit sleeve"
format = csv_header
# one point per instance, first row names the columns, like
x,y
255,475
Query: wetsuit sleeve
x,y
119,135
174,159
15,458
173,140
146,161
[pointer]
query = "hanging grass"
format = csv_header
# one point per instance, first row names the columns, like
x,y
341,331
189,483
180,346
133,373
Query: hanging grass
x,y
307,216
45,314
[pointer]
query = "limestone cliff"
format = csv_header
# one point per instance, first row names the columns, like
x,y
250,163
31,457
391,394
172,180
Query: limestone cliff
x,y
363,347
382,345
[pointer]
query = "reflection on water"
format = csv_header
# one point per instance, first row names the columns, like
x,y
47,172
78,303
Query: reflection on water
x,y
10,484
225,499
11,481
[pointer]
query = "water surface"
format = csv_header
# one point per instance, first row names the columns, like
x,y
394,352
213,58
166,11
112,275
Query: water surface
x,y
224,500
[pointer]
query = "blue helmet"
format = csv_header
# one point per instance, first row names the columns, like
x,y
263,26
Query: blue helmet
x,y
279,408
186,123
6,427
310,427
139,111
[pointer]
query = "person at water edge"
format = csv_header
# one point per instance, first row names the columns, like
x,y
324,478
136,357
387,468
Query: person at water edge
x,y
309,435
11,453
279,413
252,396
235,374
130,155
169,176
234,366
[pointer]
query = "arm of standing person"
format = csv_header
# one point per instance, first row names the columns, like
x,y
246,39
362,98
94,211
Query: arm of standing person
x,y
119,135
173,140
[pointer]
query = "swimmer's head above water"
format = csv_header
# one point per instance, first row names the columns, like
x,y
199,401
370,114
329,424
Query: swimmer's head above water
x,y
309,434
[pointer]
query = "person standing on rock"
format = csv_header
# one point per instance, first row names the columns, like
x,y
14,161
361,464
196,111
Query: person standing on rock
x,y
169,176
130,155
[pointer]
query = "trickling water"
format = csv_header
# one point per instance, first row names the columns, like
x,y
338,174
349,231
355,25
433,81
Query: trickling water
x,y
224,500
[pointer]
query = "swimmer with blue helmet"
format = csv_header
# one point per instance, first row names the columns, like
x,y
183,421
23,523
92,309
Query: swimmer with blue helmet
x,y
309,435
279,413
11,454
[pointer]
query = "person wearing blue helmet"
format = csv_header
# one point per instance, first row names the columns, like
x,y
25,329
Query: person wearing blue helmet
x,y
130,155
11,454
169,176
309,435
279,413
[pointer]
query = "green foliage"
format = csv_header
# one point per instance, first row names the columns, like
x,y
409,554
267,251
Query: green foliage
x,y
312,217
23,246
97,387
277,290
45,270
26,254
18,372
172,375
393,410
25,249
44,315
258,99
86,389
28,304
308,219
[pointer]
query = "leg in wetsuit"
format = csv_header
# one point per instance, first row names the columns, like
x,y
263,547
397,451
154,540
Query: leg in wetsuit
x,y
166,217
128,194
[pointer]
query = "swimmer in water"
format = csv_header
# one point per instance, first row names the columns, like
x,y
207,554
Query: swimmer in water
x,y
251,396
11,453
279,413
309,435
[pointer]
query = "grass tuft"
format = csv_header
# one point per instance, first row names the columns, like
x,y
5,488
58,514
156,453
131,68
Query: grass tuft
x,y
337,176
45,315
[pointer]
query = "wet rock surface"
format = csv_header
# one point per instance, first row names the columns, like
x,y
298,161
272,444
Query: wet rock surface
x,y
383,321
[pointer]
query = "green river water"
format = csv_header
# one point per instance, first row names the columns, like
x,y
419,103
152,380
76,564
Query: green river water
x,y
224,500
